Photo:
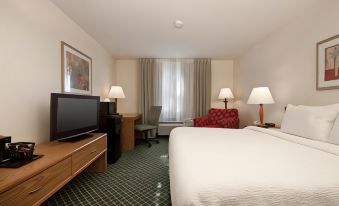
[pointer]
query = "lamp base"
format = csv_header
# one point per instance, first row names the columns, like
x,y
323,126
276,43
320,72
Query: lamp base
x,y
261,114
225,103
116,105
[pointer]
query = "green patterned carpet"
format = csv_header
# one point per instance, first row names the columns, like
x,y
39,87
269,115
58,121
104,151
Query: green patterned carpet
x,y
140,177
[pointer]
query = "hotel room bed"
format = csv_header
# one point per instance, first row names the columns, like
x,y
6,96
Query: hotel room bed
x,y
251,166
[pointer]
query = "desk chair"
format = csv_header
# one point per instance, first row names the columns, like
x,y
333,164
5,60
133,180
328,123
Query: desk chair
x,y
152,123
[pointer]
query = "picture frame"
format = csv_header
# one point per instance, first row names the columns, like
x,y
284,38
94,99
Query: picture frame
x,y
76,71
328,63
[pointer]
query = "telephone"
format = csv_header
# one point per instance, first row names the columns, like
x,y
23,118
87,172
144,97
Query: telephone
x,y
270,124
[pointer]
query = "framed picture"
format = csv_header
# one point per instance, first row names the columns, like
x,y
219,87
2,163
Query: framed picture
x,y
76,71
328,63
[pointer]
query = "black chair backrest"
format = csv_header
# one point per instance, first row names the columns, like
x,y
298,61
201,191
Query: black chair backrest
x,y
154,115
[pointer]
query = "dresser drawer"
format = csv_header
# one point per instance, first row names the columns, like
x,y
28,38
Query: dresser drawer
x,y
83,157
37,187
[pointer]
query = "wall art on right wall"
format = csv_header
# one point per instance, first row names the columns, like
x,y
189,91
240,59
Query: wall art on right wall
x,y
328,63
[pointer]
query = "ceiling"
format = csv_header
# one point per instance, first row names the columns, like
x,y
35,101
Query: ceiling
x,y
212,28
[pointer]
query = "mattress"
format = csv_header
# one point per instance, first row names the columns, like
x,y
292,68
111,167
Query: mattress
x,y
251,166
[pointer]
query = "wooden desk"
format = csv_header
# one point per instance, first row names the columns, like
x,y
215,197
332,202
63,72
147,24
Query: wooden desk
x,y
35,182
127,130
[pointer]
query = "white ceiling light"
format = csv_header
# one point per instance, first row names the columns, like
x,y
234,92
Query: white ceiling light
x,y
178,24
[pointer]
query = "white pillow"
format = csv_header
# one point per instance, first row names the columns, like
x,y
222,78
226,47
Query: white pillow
x,y
334,135
310,122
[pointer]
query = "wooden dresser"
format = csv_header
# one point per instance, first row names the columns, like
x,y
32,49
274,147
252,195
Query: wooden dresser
x,y
34,183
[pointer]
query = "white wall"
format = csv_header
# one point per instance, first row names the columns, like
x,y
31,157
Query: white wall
x,y
222,76
286,62
30,65
127,77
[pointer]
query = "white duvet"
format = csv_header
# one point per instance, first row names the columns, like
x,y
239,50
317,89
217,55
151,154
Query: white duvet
x,y
251,166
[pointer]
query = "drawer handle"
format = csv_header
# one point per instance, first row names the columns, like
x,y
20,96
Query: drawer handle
x,y
34,191
94,151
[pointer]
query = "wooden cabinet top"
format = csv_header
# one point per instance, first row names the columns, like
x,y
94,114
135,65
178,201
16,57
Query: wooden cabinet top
x,y
53,153
131,115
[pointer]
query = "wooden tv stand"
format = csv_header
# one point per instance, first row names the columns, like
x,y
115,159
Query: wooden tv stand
x,y
35,182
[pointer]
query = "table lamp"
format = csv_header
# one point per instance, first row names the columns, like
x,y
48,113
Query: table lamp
x,y
225,93
261,96
116,93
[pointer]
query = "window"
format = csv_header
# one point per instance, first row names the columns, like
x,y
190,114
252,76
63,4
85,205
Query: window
x,y
173,88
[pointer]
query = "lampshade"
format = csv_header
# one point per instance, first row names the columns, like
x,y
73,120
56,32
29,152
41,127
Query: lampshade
x,y
260,95
225,93
116,92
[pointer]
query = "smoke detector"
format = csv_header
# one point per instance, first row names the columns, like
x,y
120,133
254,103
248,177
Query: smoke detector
x,y
178,24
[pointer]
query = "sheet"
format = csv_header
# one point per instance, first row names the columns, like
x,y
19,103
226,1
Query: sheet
x,y
251,166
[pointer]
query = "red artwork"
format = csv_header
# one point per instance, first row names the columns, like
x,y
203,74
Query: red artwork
x,y
332,63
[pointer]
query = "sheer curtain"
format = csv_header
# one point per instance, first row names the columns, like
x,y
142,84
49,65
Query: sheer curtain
x,y
173,88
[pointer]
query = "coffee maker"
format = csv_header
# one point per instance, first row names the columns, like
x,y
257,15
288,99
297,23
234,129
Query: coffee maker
x,y
3,141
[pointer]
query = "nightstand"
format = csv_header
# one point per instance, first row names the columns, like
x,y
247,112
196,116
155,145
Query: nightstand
x,y
266,127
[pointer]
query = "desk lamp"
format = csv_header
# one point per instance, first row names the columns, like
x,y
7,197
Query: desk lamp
x,y
116,93
225,93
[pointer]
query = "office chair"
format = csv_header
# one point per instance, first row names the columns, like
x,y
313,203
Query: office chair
x,y
152,123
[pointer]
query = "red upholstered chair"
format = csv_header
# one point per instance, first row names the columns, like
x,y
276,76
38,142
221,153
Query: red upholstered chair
x,y
219,118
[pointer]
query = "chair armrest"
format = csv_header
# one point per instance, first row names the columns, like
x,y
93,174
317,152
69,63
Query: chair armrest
x,y
230,122
201,121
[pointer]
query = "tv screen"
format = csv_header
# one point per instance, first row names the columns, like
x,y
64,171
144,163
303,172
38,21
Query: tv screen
x,y
73,115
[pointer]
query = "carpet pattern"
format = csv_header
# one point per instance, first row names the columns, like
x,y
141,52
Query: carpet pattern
x,y
140,177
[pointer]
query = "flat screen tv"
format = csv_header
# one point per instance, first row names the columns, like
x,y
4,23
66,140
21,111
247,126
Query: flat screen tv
x,y
73,115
